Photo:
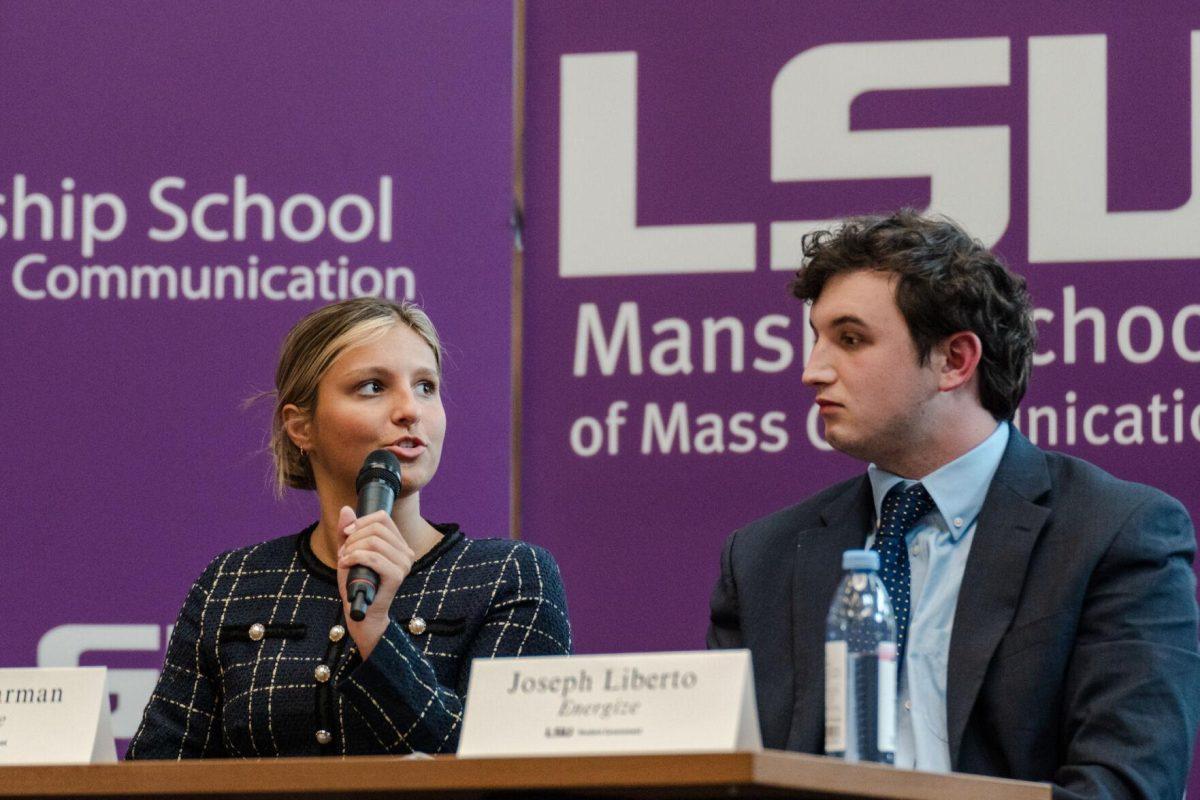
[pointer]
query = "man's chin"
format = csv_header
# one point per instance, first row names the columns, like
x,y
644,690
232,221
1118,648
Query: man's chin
x,y
842,442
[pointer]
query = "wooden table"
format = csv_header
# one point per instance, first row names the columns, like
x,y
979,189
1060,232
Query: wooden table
x,y
718,775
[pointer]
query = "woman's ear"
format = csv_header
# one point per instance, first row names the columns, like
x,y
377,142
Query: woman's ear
x,y
959,356
297,424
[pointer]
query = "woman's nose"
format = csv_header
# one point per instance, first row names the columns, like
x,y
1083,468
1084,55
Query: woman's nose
x,y
405,407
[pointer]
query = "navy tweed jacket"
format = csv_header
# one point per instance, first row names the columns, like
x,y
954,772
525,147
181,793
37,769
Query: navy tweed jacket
x,y
260,663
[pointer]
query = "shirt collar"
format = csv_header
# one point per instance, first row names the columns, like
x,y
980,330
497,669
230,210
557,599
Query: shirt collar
x,y
958,489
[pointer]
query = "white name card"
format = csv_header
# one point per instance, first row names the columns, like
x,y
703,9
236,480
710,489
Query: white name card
x,y
55,716
634,703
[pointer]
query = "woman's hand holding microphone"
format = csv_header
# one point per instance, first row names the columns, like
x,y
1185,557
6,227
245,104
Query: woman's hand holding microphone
x,y
372,541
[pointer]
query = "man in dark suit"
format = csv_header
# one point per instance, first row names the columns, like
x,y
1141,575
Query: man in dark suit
x,y
1047,613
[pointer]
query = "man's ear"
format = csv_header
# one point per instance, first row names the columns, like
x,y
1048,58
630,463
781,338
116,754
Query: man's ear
x,y
959,355
297,424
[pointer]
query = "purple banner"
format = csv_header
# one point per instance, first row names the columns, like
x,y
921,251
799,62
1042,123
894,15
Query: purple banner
x,y
178,185
676,152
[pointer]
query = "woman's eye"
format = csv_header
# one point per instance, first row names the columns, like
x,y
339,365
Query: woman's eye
x,y
370,388
851,339
427,388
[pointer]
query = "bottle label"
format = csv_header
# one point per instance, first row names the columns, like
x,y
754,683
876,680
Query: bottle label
x,y
886,734
835,697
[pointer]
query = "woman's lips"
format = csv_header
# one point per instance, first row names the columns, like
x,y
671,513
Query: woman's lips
x,y
407,448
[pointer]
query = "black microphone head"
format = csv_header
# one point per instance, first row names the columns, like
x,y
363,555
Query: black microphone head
x,y
380,465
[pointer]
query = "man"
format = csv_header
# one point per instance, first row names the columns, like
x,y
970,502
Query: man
x,y
1048,621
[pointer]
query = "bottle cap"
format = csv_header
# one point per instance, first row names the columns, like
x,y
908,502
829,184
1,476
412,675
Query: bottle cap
x,y
860,559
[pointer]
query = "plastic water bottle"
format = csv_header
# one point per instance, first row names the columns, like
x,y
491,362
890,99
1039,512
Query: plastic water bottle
x,y
860,665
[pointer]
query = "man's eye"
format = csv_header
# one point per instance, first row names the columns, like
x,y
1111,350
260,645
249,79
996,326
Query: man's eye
x,y
427,388
851,339
370,388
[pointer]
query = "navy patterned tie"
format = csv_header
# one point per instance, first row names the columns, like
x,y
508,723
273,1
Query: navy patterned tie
x,y
902,509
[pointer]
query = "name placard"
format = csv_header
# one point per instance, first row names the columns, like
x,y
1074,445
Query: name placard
x,y
55,716
634,703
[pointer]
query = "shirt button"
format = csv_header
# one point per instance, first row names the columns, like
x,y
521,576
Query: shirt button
x,y
916,551
908,705
257,631
336,633
416,626
324,737
321,673
958,522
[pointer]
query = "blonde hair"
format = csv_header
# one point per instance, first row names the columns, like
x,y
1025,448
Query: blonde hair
x,y
309,350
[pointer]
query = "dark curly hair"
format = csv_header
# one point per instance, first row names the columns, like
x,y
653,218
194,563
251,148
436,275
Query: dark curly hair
x,y
948,282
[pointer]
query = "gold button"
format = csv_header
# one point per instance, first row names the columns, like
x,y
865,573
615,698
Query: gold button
x,y
336,633
257,631
321,673
324,737
416,626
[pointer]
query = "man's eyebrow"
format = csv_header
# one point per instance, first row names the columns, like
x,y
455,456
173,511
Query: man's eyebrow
x,y
849,319
844,319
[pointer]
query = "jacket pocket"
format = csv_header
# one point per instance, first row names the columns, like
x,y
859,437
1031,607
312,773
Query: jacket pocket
x,y
449,626
258,632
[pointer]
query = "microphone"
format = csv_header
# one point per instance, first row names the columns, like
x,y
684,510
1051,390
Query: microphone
x,y
377,485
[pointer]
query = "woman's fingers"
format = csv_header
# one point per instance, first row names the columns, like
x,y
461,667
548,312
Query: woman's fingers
x,y
374,525
376,533
373,517
384,565
374,541
375,544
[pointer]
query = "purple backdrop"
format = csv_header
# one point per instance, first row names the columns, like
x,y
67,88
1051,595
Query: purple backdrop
x,y
129,461
137,399
639,540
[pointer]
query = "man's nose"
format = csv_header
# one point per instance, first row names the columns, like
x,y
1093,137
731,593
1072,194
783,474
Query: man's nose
x,y
818,371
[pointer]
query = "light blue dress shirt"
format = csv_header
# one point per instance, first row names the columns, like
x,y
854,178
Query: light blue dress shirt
x,y
937,552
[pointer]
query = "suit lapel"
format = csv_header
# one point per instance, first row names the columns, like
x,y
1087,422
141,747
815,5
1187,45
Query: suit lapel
x,y
818,569
1009,524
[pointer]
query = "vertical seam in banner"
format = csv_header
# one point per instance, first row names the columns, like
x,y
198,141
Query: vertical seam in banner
x,y
518,265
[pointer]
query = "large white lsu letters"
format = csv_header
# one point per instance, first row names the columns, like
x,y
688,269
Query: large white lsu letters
x,y
1069,218
811,138
598,233
969,167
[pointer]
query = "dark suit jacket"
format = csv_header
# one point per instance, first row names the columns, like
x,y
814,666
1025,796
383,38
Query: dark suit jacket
x,y
1073,657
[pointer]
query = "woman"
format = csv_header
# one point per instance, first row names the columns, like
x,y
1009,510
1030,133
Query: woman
x,y
264,659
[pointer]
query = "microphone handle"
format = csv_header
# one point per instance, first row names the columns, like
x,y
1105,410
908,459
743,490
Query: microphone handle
x,y
362,582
